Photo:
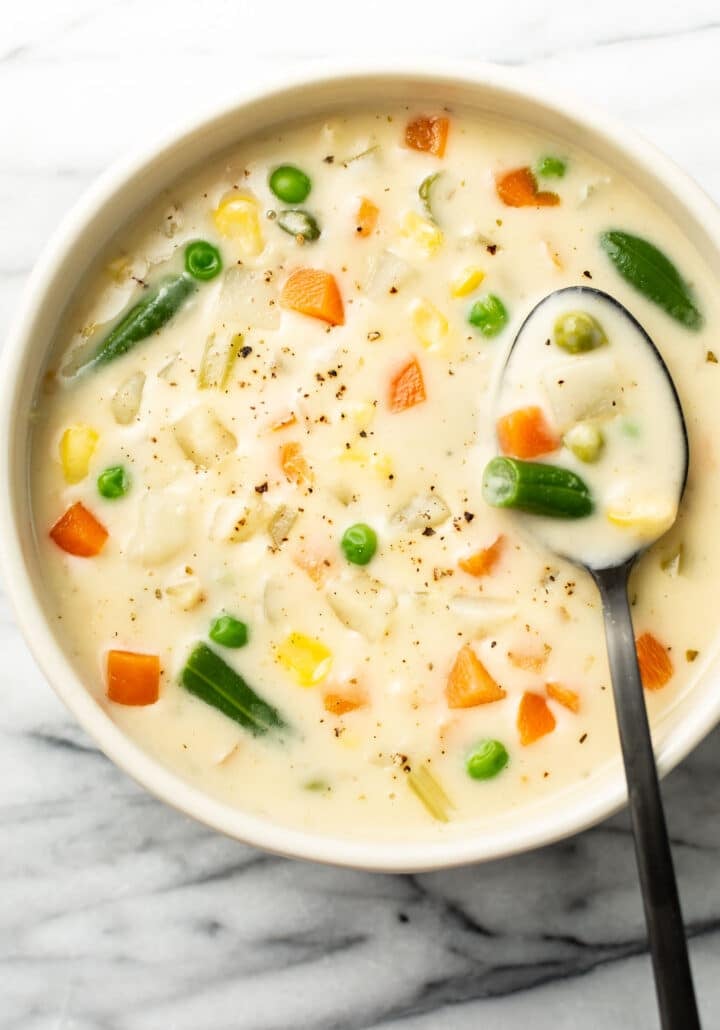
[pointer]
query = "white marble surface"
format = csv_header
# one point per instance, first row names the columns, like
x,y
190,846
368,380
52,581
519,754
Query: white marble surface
x,y
119,914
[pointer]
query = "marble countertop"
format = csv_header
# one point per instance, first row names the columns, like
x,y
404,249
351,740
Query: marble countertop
x,y
117,913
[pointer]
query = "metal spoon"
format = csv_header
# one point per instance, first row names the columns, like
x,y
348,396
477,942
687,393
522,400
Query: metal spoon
x,y
666,934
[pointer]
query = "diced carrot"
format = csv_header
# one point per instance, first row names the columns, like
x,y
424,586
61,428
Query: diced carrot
x,y
525,433
366,218
407,387
519,188
133,679
294,465
656,666
564,696
427,134
534,718
482,562
284,421
349,700
79,532
469,682
316,567
315,293
530,661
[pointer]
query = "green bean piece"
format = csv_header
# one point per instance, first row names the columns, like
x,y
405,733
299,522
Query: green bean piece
x,y
290,184
202,260
577,332
489,315
208,677
486,760
228,631
113,482
536,488
586,441
148,316
551,167
299,224
359,543
653,274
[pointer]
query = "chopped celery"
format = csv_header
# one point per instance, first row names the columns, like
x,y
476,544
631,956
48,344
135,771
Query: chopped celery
x,y
218,361
425,193
426,787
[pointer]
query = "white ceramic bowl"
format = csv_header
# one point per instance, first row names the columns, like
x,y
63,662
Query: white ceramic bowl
x,y
115,198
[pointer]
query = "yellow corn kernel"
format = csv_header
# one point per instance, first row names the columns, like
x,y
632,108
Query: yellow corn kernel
x,y
350,741
381,463
430,325
237,217
423,232
307,659
77,446
362,413
467,281
649,520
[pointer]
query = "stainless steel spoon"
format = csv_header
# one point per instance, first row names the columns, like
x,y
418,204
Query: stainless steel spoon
x,y
666,933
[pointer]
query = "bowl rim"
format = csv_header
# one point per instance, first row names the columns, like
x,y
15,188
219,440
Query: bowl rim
x,y
380,855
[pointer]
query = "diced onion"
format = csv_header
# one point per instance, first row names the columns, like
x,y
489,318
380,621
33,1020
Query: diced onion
x,y
203,438
127,399
363,604
421,511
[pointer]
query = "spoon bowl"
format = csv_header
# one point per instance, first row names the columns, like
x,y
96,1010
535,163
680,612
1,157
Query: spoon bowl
x,y
556,504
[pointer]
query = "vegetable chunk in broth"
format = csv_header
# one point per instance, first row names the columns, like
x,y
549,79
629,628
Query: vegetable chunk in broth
x,y
257,471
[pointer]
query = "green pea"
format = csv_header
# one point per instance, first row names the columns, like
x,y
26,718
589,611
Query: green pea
x,y
228,631
586,441
202,260
489,315
289,184
486,760
299,223
630,428
113,482
551,167
577,332
359,543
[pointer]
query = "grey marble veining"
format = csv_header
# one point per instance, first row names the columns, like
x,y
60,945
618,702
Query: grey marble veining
x,y
117,913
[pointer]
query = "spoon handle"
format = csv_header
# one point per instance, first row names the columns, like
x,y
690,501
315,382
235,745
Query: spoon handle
x,y
666,933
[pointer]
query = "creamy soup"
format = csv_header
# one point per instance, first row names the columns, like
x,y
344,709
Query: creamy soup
x,y
258,460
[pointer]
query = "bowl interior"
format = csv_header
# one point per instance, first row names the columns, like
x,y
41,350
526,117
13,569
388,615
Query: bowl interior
x,y
115,200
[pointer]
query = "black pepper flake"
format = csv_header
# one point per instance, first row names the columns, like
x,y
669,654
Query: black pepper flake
x,y
491,248
468,516
332,372
246,351
711,357
428,531
261,488
329,159
583,738
363,433
586,274
393,289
